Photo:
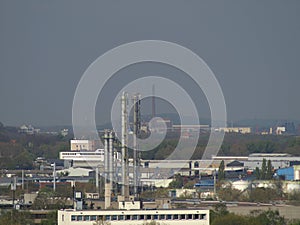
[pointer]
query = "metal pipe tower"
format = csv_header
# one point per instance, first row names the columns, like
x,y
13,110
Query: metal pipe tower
x,y
136,132
124,139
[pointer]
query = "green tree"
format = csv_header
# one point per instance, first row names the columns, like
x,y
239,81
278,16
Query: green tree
x,y
265,195
219,210
221,172
257,173
271,217
51,219
229,194
14,217
46,200
295,222
177,182
231,219
269,174
263,171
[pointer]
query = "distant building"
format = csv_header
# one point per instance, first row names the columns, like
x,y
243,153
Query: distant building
x,y
241,130
161,125
64,132
280,130
24,129
190,127
278,160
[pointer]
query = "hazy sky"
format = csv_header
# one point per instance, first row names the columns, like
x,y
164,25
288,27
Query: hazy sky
x,y
45,46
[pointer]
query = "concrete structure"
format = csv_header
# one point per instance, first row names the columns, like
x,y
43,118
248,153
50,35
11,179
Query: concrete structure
x,y
134,217
85,145
30,197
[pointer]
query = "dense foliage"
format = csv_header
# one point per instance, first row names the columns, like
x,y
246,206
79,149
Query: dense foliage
x,y
220,216
18,151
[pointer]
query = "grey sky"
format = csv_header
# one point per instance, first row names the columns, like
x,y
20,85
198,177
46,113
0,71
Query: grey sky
x,y
45,46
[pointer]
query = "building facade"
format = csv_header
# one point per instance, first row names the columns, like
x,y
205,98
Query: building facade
x,y
134,217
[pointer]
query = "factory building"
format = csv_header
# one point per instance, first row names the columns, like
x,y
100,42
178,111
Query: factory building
x,y
278,160
290,173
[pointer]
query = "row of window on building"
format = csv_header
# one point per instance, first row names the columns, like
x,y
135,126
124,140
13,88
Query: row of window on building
x,y
138,217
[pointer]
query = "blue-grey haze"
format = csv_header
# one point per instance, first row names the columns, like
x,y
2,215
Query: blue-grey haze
x,y
45,46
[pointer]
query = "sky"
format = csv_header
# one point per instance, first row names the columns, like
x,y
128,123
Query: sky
x,y
252,47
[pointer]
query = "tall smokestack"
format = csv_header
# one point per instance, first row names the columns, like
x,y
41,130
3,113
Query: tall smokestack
x,y
124,139
107,192
136,131
110,159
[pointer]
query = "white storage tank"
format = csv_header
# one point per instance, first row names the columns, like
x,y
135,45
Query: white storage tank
x,y
293,187
240,185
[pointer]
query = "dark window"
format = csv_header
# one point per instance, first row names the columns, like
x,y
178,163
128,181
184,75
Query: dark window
x,y
189,216
155,217
73,218
93,218
121,217
169,217
114,217
142,217
175,217
162,217
86,218
148,217
134,217
100,218
196,216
